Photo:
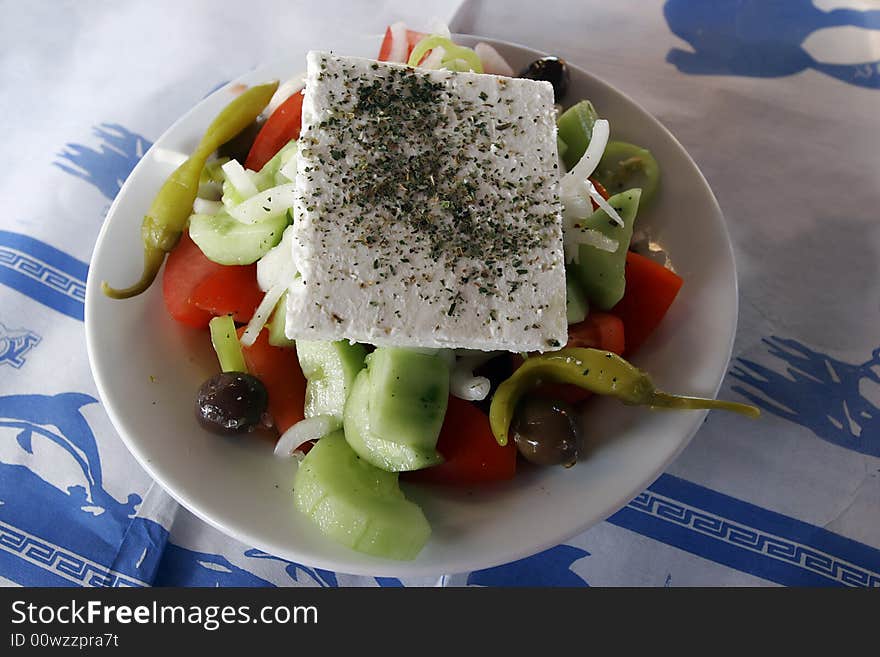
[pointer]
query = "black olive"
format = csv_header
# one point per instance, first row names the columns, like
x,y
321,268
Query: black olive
x,y
231,402
551,69
546,431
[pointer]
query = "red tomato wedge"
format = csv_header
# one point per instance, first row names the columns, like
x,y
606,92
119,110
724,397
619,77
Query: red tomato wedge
x,y
278,368
233,290
196,289
186,267
471,452
650,290
283,125
412,38
599,331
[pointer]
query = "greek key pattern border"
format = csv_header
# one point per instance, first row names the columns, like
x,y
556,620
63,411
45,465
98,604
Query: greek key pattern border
x,y
42,272
754,540
61,562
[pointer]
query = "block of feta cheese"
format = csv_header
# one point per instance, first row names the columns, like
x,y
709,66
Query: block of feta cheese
x,y
427,211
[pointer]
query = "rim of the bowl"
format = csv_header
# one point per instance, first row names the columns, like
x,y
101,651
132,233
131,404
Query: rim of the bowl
x,y
505,554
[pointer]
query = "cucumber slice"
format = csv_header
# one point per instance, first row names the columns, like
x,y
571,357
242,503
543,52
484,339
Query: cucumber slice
x,y
600,273
230,242
409,391
385,454
230,196
330,368
625,166
276,323
575,127
268,176
276,267
357,504
576,305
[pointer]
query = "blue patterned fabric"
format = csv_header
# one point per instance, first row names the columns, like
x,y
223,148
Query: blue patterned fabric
x,y
793,500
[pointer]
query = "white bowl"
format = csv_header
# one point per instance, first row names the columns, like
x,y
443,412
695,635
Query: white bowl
x,y
148,367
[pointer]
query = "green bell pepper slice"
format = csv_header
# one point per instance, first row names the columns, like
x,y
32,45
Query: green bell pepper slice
x,y
624,166
602,274
575,127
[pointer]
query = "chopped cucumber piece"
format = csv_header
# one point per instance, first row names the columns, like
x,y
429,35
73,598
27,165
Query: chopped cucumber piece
x,y
276,267
357,504
330,369
226,344
268,176
625,166
231,196
228,241
409,391
276,323
242,181
264,179
575,126
385,454
576,305
601,273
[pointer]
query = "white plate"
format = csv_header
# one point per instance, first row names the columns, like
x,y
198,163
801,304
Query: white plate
x,y
148,367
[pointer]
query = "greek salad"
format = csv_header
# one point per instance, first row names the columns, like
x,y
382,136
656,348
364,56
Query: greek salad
x,y
418,266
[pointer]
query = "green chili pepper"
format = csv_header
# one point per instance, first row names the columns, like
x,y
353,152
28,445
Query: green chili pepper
x,y
452,52
601,372
172,206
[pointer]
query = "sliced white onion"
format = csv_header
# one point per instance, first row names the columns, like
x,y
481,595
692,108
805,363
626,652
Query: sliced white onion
x,y
239,178
166,156
204,206
492,60
398,43
599,240
438,27
572,181
276,267
435,59
462,382
285,90
575,207
602,203
261,315
265,205
469,387
589,236
312,428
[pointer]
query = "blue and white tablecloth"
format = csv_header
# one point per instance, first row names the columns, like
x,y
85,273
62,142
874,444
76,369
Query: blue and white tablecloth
x,y
777,100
